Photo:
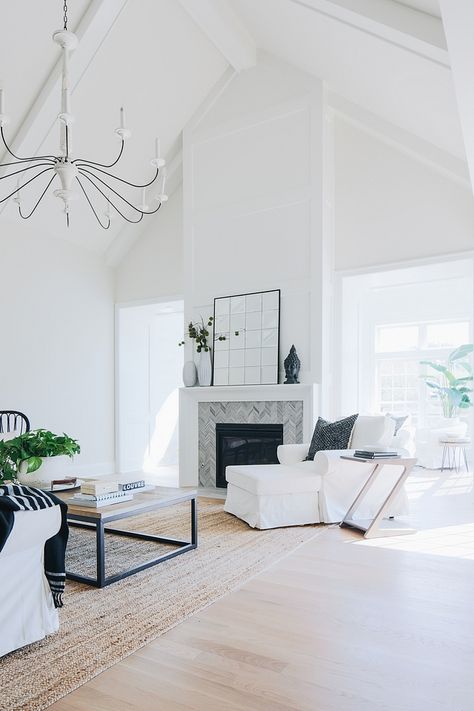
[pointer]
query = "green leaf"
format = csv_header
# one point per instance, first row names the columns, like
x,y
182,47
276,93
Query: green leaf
x,y
435,386
34,463
461,352
436,366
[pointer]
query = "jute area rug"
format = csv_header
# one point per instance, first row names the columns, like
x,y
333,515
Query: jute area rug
x,y
100,627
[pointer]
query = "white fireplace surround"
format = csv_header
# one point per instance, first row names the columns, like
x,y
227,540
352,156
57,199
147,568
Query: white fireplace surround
x,y
189,399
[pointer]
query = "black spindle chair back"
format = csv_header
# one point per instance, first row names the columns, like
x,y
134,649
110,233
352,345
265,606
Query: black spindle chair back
x,y
13,421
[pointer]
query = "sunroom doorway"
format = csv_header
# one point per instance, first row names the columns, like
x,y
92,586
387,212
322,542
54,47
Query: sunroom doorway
x,y
149,367
391,320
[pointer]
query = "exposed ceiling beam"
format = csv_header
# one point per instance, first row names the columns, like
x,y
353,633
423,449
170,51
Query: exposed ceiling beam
x,y
225,30
409,144
402,26
92,30
458,20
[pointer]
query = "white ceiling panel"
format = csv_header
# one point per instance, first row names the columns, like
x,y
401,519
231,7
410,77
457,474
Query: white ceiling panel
x,y
401,86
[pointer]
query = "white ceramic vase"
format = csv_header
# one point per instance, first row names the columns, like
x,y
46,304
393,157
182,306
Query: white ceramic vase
x,y
205,368
189,374
51,468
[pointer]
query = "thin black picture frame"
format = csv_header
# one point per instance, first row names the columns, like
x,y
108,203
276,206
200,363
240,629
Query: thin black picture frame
x,y
250,293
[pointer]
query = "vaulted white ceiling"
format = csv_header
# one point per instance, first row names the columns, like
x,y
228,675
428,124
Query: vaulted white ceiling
x,y
161,58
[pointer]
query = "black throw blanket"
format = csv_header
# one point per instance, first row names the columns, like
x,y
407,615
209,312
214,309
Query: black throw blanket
x,y
13,498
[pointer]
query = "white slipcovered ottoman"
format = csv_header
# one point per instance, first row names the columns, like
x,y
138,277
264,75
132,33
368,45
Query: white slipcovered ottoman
x,y
273,495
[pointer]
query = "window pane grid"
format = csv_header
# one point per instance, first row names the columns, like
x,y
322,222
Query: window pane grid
x,y
399,348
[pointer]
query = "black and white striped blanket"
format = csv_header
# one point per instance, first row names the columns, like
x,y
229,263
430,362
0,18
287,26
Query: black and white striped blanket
x,y
13,498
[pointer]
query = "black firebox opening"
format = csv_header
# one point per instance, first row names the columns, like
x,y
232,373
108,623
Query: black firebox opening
x,y
245,444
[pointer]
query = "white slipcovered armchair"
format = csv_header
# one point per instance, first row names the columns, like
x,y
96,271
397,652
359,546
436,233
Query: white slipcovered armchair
x,y
27,611
297,492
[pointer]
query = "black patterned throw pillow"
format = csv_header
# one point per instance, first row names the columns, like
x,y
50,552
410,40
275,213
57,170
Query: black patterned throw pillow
x,y
331,435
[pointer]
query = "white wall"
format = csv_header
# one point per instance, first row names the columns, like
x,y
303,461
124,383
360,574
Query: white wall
x,y
390,207
56,352
252,202
154,265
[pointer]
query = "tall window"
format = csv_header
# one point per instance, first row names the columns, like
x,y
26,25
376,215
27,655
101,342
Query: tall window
x,y
398,351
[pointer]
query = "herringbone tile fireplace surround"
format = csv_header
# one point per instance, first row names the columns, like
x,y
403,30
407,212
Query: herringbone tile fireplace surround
x,y
287,413
201,408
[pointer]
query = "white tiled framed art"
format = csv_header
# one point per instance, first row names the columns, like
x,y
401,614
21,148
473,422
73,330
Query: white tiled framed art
x,y
251,326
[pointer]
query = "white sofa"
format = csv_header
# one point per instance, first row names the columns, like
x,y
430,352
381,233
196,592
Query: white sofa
x,y
27,611
297,492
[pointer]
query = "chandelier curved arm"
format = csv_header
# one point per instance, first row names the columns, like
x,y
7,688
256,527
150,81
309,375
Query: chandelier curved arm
x,y
25,184
23,170
26,217
92,206
53,158
83,172
133,222
115,177
137,209
25,160
90,163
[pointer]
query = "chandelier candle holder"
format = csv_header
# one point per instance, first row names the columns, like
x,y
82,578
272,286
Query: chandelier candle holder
x,y
94,180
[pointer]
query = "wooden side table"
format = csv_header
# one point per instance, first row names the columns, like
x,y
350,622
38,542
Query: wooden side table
x,y
453,452
381,524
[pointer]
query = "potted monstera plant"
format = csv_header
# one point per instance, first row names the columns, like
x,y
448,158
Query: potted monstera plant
x,y
36,457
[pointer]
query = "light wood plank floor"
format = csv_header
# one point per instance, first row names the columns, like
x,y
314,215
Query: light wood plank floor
x,y
342,624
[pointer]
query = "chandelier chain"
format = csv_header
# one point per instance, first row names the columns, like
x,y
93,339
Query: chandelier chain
x,y
65,14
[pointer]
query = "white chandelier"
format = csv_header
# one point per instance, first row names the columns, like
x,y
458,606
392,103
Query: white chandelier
x,y
93,178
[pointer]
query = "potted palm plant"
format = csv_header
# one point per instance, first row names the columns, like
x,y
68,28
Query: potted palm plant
x,y
451,382
28,457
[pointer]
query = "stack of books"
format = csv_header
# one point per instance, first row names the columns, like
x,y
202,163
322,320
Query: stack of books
x,y
99,486
99,500
456,440
375,454
104,492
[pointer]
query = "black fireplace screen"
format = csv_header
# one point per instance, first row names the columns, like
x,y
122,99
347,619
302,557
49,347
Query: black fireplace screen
x,y
245,444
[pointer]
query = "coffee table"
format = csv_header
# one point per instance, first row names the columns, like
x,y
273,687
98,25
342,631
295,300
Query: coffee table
x,y
98,519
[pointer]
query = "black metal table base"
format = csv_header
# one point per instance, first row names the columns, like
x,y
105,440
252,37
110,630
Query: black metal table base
x,y
101,580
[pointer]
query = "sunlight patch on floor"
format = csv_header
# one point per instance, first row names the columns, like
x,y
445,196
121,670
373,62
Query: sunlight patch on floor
x,y
442,511
451,541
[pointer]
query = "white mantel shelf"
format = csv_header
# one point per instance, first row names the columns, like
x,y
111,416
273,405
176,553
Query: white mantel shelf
x,y
189,399
234,392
